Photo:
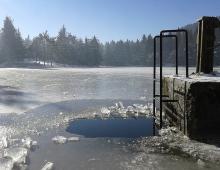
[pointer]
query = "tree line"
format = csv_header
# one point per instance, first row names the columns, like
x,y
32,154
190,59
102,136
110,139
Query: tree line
x,y
68,49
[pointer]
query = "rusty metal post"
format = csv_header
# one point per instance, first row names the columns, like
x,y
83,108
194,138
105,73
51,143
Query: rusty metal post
x,y
198,45
205,44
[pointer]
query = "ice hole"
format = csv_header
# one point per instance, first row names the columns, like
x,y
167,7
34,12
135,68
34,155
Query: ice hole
x,y
112,127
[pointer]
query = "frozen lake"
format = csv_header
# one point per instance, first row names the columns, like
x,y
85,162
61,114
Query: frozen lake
x,y
39,103
23,89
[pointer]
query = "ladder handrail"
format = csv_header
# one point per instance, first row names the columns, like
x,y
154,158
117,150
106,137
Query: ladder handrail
x,y
154,70
161,36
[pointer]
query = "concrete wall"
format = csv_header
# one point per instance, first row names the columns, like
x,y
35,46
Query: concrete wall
x,y
200,101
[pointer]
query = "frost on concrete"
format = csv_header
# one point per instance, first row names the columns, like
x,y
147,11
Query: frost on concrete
x,y
4,142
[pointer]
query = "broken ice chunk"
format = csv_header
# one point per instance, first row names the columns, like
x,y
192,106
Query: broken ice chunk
x,y
105,110
18,154
6,163
120,105
200,163
34,145
27,142
130,109
4,142
116,105
48,166
95,115
20,167
59,139
73,139
122,111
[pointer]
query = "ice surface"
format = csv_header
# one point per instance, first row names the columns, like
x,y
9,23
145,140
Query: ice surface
x,y
35,87
48,166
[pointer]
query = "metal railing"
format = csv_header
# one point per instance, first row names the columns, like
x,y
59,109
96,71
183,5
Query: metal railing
x,y
166,34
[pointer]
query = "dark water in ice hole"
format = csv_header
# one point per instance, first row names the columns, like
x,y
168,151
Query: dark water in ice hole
x,y
124,128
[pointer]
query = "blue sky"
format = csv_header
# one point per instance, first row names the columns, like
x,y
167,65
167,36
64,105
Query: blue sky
x,y
107,19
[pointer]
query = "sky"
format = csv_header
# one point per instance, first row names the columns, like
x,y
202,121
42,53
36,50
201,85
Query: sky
x,y
106,19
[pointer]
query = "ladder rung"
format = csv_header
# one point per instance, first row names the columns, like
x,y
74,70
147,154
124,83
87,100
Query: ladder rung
x,y
166,100
156,80
177,116
157,95
169,100
179,92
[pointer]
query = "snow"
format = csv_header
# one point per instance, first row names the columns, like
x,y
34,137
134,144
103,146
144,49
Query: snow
x,y
171,140
213,77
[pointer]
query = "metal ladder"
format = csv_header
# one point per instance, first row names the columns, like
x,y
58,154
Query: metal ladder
x,y
161,98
